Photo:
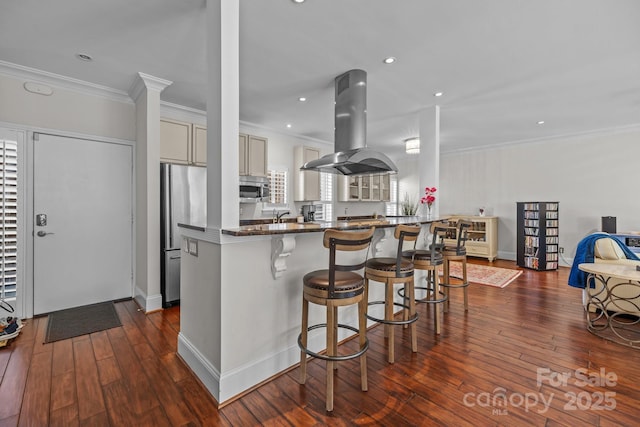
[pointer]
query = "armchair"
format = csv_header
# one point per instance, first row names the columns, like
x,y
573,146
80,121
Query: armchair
x,y
606,249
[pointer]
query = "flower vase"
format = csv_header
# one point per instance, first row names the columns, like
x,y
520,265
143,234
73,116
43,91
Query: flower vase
x,y
428,212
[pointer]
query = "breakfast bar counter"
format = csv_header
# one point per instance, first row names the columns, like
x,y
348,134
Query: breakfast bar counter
x,y
241,293
265,229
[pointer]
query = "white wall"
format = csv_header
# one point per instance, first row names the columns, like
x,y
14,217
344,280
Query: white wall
x,y
66,110
590,175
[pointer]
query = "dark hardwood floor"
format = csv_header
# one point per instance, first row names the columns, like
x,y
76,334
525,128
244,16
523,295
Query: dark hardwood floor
x,y
501,363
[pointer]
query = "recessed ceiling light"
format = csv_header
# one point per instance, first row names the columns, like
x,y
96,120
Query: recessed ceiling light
x,y
288,125
389,60
438,94
298,1
84,57
302,99
541,122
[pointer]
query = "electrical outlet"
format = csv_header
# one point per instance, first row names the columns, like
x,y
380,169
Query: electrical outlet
x,y
561,250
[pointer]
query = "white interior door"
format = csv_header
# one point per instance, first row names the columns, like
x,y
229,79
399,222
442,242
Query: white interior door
x,y
83,231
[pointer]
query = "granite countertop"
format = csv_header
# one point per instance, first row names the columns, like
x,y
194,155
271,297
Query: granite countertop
x,y
265,229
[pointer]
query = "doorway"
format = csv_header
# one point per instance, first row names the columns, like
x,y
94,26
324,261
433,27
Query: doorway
x,y
82,222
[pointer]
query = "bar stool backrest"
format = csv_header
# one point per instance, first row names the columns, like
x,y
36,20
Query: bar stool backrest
x,y
337,240
439,232
443,226
408,233
463,235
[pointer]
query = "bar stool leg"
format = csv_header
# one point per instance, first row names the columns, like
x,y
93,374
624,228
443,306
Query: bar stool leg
x,y
436,294
362,311
446,280
464,280
405,311
388,315
304,332
331,345
409,286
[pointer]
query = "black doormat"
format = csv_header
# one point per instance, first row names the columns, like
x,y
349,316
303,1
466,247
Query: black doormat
x,y
77,321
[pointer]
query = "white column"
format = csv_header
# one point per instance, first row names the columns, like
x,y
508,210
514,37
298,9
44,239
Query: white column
x,y
146,94
223,53
429,157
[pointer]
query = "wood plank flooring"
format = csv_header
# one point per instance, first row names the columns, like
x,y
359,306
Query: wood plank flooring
x,y
492,365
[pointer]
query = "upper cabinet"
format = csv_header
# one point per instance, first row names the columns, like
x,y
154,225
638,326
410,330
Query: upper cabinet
x,y
183,143
252,155
364,188
306,184
199,145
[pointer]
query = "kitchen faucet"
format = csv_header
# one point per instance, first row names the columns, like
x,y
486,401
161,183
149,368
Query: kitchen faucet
x,y
277,217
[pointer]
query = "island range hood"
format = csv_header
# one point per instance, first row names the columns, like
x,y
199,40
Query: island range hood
x,y
351,157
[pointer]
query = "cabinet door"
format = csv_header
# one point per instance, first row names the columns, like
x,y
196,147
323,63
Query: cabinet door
x,y
199,145
354,188
256,156
311,179
376,193
365,187
242,157
306,183
343,188
175,141
385,188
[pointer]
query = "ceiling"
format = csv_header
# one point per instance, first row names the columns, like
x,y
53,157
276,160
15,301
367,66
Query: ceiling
x,y
503,65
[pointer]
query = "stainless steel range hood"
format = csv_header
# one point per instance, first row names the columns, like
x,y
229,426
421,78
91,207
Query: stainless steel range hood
x,y
352,157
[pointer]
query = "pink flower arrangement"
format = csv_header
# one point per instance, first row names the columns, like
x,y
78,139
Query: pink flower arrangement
x,y
428,197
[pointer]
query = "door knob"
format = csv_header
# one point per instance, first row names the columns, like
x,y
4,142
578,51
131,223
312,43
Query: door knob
x,y
43,233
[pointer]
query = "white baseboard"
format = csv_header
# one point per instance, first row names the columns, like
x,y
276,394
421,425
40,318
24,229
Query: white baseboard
x,y
200,366
229,385
148,303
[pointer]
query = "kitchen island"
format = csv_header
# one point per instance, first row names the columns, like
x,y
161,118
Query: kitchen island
x,y
241,297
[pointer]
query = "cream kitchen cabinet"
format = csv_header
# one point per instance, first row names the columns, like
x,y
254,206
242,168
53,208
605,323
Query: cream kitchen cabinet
x,y
199,145
306,184
253,155
364,188
482,235
183,143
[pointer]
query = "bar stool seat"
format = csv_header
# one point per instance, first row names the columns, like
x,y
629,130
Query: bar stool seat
x,y
317,283
392,271
338,286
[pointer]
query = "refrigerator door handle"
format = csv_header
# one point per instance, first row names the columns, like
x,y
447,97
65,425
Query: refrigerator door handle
x,y
166,208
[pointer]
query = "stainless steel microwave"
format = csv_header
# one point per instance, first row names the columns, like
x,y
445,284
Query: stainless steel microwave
x,y
254,189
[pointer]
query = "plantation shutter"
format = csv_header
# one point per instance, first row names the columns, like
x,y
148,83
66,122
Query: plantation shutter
x,y
8,219
277,187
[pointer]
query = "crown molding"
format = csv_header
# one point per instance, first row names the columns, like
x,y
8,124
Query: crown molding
x,y
182,113
149,82
567,136
21,72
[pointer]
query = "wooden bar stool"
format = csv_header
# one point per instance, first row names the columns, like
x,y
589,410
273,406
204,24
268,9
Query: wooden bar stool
x,y
429,260
341,285
391,271
456,253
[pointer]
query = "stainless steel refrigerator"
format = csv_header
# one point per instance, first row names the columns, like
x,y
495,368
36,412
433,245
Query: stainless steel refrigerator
x,y
183,200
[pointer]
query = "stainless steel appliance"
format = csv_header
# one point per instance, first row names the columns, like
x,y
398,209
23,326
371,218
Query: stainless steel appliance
x,y
254,189
183,200
351,157
309,212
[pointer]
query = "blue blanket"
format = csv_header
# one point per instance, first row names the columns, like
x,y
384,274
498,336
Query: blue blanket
x,y
585,253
